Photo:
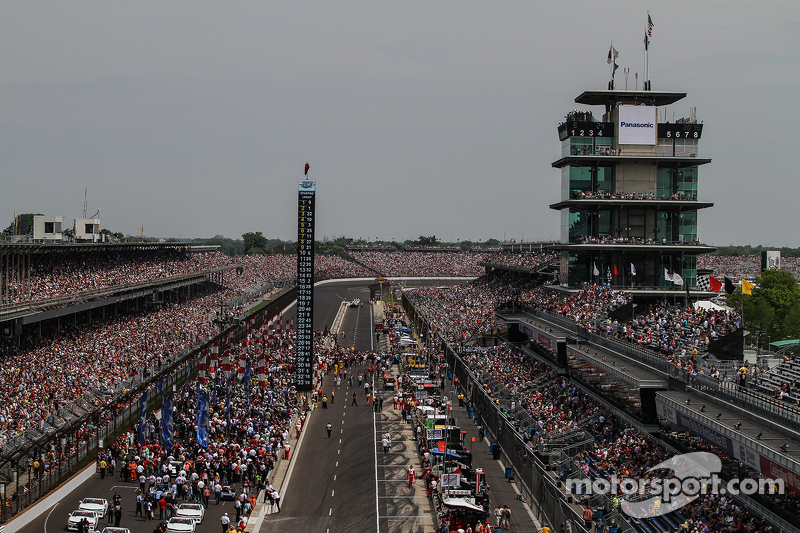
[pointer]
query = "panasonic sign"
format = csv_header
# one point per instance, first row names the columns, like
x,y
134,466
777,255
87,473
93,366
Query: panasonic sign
x,y
637,124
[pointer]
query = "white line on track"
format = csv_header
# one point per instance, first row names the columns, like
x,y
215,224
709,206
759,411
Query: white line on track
x,y
48,516
375,434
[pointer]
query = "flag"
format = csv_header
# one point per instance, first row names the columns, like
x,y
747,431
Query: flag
x,y
609,60
595,271
228,404
667,275
615,69
202,420
307,167
703,283
633,270
188,379
614,271
142,417
649,25
708,283
646,42
248,374
677,279
160,387
167,429
729,288
616,54
747,287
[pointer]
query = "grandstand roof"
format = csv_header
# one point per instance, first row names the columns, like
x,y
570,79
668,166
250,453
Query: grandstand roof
x,y
654,98
779,344
660,205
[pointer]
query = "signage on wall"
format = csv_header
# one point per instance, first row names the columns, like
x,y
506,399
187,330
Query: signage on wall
x,y
637,125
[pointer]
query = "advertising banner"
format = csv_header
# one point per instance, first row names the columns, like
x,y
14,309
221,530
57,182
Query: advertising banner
x,y
637,124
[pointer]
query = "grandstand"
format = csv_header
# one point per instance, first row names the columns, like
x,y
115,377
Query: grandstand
x,y
612,381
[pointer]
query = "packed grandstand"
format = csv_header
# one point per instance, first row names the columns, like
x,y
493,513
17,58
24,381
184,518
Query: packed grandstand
x,y
60,363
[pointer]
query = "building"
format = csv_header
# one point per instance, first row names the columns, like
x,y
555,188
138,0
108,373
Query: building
x,y
47,228
629,187
87,229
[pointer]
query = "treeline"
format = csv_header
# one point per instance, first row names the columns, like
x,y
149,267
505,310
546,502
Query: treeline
x,y
755,250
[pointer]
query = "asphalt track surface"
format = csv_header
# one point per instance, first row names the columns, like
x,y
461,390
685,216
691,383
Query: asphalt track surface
x,y
335,482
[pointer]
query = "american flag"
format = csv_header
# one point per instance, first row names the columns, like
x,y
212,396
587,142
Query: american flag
x,y
649,25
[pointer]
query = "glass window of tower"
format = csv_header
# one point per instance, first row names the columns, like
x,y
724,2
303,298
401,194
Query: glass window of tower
x,y
687,181
664,182
579,269
580,224
687,226
664,226
581,146
689,270
605,178
604,223
580,179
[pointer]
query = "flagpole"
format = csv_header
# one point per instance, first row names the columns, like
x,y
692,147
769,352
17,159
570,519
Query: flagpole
x,y
743,330
646,56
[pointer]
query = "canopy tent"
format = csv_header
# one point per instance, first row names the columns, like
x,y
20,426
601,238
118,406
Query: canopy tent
x,y
464,503
709,305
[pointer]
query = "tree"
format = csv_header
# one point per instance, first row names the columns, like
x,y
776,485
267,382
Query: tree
x,y
24,225
773,310
428,241
254,243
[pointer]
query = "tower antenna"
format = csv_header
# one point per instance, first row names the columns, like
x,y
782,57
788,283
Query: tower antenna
x,y
85,195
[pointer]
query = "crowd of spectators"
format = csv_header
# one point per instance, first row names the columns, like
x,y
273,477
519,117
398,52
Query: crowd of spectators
x,y
737,267
611,195
39,374
532,260
673,330
464,311
69,274
73,274
240,455
334,267
422,264
557,406
608,239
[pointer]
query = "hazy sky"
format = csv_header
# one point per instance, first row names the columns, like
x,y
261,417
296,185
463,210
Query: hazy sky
x,y
418,118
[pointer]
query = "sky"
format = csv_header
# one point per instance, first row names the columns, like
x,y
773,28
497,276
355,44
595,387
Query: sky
x,y
195,119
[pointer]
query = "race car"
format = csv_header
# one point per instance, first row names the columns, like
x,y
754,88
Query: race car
x,y
98,505
76,517
116,530
228,494
178,524
195,511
